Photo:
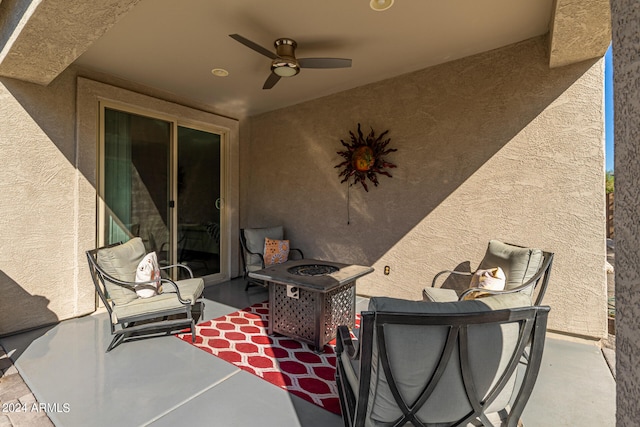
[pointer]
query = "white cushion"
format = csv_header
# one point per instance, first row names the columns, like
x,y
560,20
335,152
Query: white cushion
x,y
492,278
148,270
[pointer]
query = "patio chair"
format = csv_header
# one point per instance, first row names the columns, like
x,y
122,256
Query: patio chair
x,y
440,364
252,241
527,270
113,270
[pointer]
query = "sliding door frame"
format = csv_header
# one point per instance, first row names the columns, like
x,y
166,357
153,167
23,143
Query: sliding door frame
x,y
175,121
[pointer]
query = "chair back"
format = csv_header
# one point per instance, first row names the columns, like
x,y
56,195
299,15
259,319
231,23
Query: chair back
x,y
439,364
252,242
99,277
112,265
526,269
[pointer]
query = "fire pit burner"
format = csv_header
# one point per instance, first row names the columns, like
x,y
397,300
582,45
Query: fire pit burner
x,y
312,270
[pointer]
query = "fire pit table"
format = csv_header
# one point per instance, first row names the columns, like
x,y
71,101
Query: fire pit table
x,y
308,298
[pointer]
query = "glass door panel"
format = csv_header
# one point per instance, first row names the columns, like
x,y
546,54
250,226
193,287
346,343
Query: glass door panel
x,y
199,200
136,181
162,182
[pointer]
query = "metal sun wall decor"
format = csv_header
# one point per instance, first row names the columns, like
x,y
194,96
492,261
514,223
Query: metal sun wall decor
x,y
364,158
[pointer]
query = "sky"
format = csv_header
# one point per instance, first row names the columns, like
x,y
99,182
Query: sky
x,y
608,109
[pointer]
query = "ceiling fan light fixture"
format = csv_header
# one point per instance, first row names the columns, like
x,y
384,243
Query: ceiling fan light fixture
x,y
381,5
285,68
284,62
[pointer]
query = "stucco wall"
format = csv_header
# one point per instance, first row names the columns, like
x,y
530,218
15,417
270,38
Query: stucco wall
x,y
492,146
38,205
48,197
626,74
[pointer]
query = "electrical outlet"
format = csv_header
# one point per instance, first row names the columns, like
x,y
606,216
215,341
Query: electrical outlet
x,y
387,270
293,292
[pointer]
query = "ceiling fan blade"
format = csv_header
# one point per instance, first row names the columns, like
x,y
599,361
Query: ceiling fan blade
x,y
251,45
324,63
271,81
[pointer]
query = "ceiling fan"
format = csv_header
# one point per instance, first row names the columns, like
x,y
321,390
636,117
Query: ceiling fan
x,y
284,62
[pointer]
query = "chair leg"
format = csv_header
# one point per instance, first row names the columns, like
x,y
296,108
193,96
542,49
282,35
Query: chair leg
x,y
251,282
115,342
198,311
247,282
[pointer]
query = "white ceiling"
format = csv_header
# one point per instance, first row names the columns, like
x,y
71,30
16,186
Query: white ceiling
x,y
173,45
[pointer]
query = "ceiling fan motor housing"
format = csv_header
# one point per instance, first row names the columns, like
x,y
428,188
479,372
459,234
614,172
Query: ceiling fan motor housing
x,y
284,62
285,65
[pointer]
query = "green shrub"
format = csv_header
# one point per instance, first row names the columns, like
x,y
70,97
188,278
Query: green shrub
x,y
609,182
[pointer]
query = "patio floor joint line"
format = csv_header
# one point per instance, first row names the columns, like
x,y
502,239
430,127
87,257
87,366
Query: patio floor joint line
x,y
190,398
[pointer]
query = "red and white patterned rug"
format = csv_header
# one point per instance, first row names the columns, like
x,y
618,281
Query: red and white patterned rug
x,y
241,338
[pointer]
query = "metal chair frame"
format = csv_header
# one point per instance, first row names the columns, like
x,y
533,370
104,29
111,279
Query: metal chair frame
x,y
532,325
245,250
151,323
539,281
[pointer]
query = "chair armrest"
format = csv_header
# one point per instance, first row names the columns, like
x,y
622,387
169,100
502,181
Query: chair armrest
x,y
459,273
261,256
132,285
291,250
179,265
344,342
253,253
177,290
129,285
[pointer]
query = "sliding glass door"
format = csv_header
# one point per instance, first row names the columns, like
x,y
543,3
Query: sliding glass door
x,y
161,180
136,179
199,199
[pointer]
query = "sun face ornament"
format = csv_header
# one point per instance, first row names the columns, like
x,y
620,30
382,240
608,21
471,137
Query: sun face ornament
x,y
364,158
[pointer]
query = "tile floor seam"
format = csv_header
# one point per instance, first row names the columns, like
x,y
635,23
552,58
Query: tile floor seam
x,y
190,398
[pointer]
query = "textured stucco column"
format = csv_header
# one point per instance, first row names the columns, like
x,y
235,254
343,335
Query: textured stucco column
x,y
39,39
42,278
579,30
626,60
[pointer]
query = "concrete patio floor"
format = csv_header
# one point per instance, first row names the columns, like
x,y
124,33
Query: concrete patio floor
x,y
166,382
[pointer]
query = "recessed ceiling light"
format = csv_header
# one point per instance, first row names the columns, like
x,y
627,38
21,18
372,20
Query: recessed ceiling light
x,y
381,5
219,72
